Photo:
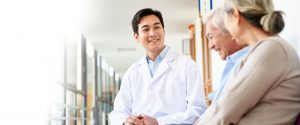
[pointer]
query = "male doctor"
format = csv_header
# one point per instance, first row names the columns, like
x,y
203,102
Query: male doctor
x,y
162,87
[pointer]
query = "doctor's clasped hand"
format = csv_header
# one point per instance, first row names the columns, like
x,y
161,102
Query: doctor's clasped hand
x,y
140,120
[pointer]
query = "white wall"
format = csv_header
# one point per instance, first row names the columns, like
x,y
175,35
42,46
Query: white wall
x,y
292,21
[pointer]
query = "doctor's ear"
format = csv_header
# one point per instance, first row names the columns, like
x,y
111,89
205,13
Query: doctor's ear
x,y
136,37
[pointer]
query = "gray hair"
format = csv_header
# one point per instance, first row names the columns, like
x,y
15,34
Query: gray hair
x,y
259,13
216,17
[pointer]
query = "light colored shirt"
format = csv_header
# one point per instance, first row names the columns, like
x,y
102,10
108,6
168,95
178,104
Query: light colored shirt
x,y
153,65
174,95
232,62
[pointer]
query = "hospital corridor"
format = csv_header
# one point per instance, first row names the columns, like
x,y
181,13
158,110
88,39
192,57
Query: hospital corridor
x,y
149,62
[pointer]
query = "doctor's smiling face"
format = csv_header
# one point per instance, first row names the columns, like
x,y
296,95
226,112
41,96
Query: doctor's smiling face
x,y
151,34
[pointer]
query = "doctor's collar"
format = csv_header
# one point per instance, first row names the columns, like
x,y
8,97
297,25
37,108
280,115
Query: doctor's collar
x,y
160,56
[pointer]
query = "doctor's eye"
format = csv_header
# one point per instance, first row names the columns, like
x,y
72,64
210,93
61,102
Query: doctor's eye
x,y
145,30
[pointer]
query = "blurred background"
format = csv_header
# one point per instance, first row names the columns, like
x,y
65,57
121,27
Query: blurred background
x,y
62,61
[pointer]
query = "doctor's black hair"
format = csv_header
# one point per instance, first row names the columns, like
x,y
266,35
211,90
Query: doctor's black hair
x,y
145,12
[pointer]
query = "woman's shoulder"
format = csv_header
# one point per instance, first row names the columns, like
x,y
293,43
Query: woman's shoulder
x,y
273,44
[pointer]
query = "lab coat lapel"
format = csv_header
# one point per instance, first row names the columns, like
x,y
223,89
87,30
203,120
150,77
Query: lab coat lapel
x,y
144,69
164,65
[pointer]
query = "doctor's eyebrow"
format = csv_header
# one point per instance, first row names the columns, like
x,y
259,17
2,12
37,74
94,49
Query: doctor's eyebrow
x,y
157,23
146,26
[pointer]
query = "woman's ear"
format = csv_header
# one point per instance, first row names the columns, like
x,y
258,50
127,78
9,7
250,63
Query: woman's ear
x,y
236,16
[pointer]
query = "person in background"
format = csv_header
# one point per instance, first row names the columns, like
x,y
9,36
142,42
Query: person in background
x,y
163,87
222,42
264,90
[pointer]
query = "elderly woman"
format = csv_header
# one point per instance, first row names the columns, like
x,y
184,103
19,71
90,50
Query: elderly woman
x,y
265,88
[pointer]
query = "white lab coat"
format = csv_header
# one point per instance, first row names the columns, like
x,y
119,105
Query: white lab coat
x,y
174,95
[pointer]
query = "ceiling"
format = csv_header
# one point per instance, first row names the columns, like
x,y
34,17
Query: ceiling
x,y
107,26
